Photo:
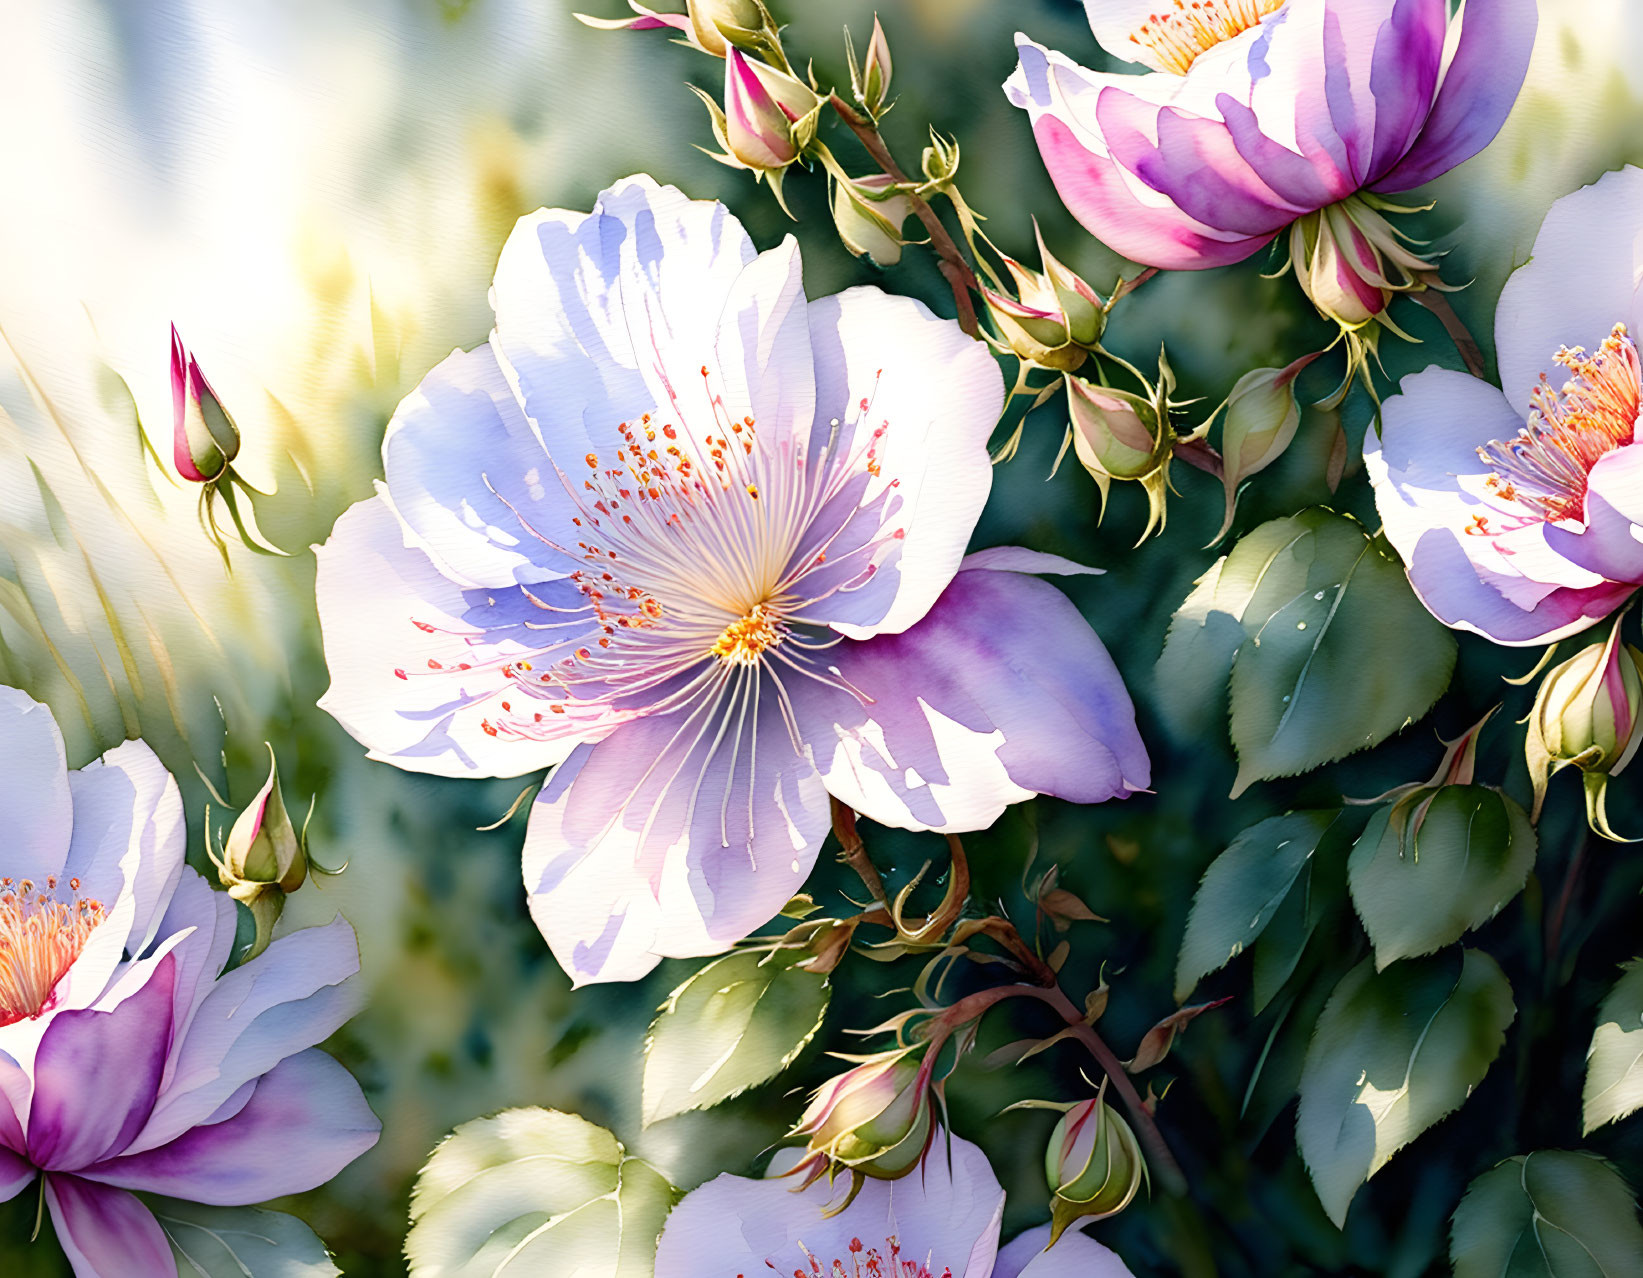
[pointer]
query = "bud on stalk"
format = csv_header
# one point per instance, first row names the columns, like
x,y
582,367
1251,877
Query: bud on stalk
x,y
869,215
1262,415
1093,1164
878,1118
264,858
1351,262
718,24
870,81
1588,714
204,439
1118,435
769,117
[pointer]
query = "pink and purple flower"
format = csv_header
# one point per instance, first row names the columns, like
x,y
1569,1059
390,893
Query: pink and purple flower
x,y
1520,513
700,543
1259,115
942,1221
128,1059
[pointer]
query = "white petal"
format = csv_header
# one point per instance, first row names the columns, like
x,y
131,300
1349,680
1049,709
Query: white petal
x,y
1075,1255
1586,276
940,394
763,348
35,810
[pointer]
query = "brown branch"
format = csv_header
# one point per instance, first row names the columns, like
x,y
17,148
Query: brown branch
x,y
853,852
954,268
1434,300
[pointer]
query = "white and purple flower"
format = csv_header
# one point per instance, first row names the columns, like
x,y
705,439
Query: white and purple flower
x,y
127,1060
1520,514
1259,115
700,543
942,1221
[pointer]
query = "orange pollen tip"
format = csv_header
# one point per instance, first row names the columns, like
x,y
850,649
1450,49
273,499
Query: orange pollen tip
x,y
40,937
1186,29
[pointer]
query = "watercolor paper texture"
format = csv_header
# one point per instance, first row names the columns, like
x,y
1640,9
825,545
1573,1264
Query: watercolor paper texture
x,y
973,640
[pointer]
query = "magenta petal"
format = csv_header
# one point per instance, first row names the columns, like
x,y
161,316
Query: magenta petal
x,y
1478,91
1194,163
306,1120
1404,76
1305,182
15,1172
96,1075
107,1233
1002,691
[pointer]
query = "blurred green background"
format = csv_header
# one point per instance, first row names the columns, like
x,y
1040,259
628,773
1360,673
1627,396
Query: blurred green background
x,y
315,192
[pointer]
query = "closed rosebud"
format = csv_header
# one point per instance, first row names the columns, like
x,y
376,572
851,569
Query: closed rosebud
x,y
1093,1164
875,71
1034,334
1351,262
876,1118
1081,306
1262,414
940,160
264,858
1116,434
769,116
717,24
869,215
204,438
1588,715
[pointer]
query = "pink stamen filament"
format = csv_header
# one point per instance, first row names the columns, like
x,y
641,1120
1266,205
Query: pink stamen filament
x,y
40,937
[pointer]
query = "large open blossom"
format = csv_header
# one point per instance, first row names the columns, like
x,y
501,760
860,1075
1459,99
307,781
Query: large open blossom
x,y
942,1221
1520,514
1260,114
698,541
127,1061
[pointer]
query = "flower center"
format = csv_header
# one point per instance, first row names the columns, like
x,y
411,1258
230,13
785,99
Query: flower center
x,y
1544,469
40,937
1179,34
745,639
868,1262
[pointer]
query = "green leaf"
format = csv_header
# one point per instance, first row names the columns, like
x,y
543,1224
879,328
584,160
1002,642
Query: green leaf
x,y
1339,653
1394,1052
1417,891
739,1021
239,1242
1242,890
1191,676
1550,1214
1614,1064
535,1191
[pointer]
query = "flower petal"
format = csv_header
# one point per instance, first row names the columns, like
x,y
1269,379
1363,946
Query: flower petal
x,y
107,1233
1404,76
129,836
938,394
1584,277
1060,96
1003,691
96,1075
471,479
946,1211
1611,544
763,348
1477,93
15,1174
305,1121
1020,559
416,661
1075,1255
35,808
676,836
294,995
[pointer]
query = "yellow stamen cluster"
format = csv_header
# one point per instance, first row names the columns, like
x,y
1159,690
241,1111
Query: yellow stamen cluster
x,y
745,639
1187,29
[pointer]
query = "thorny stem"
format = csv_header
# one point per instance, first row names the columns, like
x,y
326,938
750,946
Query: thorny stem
x,y
1434,301
1047,989
1554,924
954,268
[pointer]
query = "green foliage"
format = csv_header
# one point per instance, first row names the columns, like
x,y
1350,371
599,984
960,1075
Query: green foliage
x,y
1614,1063
1244,888
1550,1214
1393,1052
738,1022
535,1190
1420,884
240,1242
1331,652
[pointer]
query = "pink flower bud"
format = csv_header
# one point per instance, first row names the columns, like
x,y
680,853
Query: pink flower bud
x,y
869,217
1350,261
1093,1164
876,1118
769,116
718,24
874,87
1116,434
204,438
